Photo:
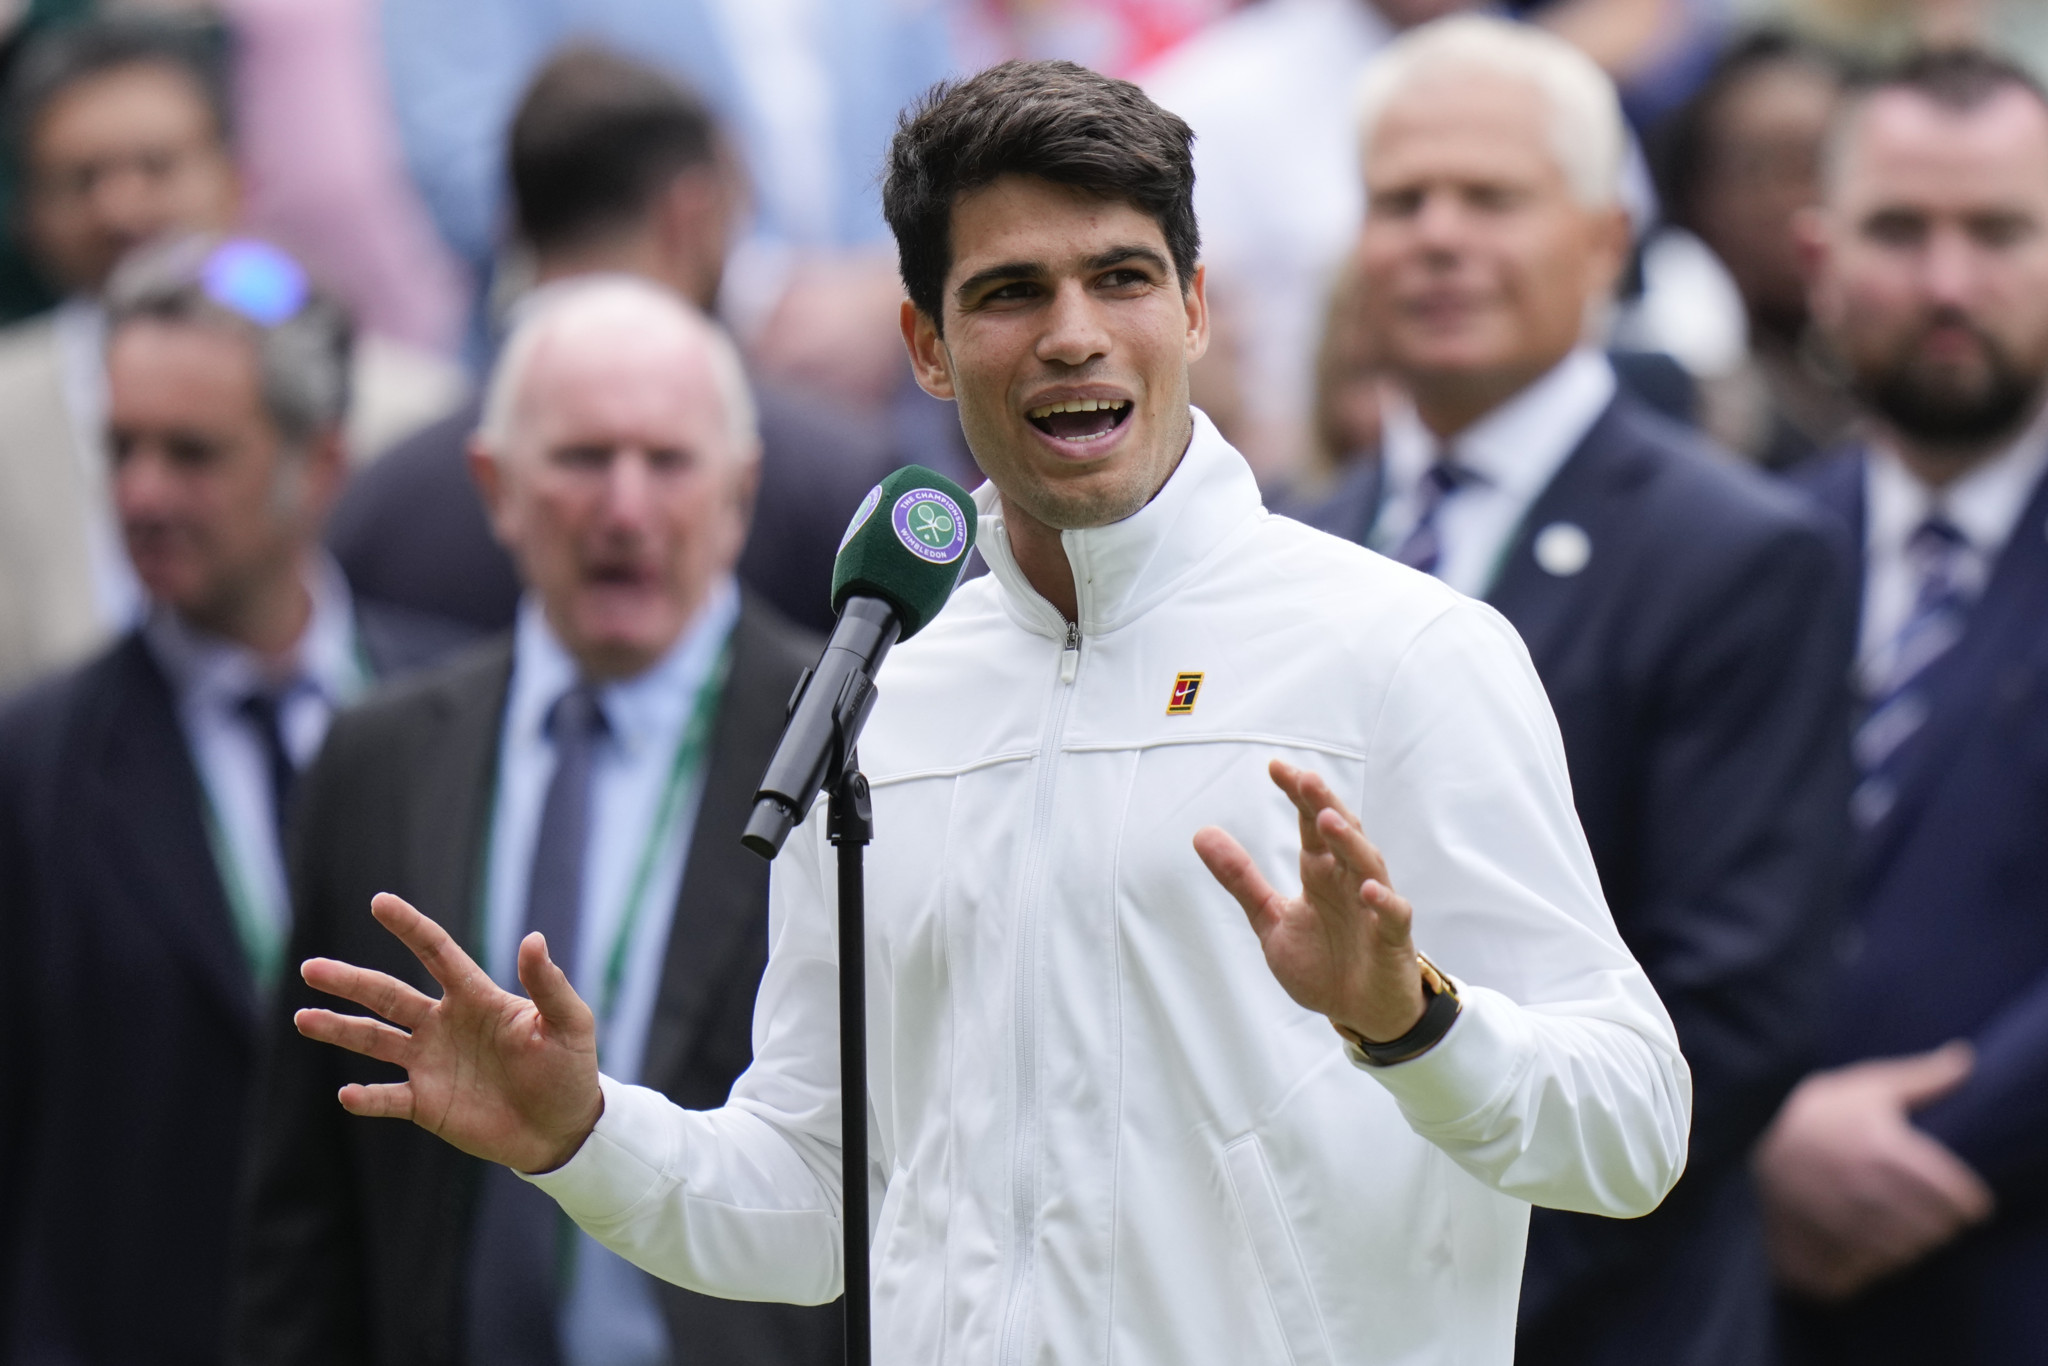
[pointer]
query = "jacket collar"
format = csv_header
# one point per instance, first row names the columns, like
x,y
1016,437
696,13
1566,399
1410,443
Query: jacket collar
x,y
1123,569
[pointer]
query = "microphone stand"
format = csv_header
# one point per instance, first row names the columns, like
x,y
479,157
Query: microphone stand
x,y
850,825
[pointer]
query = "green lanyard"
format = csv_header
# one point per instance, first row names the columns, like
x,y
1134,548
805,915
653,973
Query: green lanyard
x,y
689,759
263,937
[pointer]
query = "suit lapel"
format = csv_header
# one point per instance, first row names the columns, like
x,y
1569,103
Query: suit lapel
x,y
149,829
454,791
717,904
2004,628
1589,491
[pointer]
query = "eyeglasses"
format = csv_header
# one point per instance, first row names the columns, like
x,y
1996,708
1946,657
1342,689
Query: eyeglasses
x,y
255,280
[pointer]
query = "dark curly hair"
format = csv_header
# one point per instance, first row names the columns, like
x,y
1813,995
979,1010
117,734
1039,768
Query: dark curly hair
x,y
1054,120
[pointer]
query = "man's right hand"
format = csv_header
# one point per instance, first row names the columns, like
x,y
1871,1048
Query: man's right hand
x,y
1851,1190
502,1077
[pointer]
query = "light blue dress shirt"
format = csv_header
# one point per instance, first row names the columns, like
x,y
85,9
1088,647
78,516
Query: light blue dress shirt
x,y
610,1316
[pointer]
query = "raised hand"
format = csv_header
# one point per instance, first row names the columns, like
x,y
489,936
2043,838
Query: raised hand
x,y
1342,947
502,1077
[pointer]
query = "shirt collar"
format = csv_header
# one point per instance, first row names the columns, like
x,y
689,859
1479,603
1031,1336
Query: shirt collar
x,y
1984,503
1518,447
651,707
201,665
1122,569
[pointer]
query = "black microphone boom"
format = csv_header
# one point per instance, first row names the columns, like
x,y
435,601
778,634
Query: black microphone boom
x,y
892,575
831,704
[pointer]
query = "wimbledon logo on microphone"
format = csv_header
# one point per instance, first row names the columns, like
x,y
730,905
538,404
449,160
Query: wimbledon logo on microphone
x,y
930,526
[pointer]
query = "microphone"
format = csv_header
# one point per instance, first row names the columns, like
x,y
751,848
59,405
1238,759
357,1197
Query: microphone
x,y
898,562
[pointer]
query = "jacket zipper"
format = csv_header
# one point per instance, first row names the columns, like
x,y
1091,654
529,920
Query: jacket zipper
x,y
1024,1141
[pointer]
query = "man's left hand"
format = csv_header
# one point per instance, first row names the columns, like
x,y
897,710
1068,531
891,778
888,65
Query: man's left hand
x,y
1342,947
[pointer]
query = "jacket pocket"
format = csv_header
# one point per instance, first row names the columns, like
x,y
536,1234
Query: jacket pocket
x,y
1278,1256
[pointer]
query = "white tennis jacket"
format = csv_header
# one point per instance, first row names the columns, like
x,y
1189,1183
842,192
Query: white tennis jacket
x,y
1100,1131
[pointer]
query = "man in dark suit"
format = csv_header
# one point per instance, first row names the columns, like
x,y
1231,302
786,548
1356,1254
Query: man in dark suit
x,y
140,802
1906,1181
616,168
1687,619
587,778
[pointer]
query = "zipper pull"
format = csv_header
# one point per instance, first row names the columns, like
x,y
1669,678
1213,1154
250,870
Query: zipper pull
x,y
1070,658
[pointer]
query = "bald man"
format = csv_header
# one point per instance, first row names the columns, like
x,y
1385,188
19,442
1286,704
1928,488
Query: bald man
x,y
587,777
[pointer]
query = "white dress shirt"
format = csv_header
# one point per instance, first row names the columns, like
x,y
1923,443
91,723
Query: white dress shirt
x,y
610,1315
211,678
1983,504
1516,450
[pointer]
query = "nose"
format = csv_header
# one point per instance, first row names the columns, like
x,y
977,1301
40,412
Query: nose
x,y
1440,222
143,484
125,200
1074,333
628,489
1950,270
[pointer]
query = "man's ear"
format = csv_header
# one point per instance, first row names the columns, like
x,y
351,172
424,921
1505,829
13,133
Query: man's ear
x,y
1614,242
1196,297
490,484
325,471
1810,240
930,362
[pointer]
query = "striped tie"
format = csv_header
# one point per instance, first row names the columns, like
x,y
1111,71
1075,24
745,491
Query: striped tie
x,y
1422,548
1896,707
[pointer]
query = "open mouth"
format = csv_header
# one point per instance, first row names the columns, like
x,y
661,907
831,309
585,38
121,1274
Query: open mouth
x,y
1080,419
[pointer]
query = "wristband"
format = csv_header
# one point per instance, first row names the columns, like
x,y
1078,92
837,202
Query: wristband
x,y
1439,1012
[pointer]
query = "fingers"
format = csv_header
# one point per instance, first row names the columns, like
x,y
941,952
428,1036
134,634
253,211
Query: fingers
x,y
376,991
1957,1192
371,1038
1230,865
547,986
393,1100
1362,862
433,946
1920,1080
1312,798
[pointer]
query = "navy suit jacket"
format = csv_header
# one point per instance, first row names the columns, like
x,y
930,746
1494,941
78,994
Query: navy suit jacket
x,y
128,1019
1949,940
1697,667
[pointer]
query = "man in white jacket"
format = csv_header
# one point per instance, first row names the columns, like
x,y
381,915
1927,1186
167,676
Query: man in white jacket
x,y
1109,1118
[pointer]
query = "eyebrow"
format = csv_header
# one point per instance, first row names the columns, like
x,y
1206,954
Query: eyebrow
x,y
1035,270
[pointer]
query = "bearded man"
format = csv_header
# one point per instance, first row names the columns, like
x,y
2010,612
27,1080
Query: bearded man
x,y
1903,1181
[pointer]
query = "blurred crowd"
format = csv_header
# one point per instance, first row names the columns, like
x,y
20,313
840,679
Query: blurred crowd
x,y
495,348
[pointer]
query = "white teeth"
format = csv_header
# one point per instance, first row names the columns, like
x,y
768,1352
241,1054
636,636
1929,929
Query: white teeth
x,y
1079,405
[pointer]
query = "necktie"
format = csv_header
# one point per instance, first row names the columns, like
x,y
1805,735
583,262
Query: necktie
x,y
515,1281
1897,706
262,710
1422,548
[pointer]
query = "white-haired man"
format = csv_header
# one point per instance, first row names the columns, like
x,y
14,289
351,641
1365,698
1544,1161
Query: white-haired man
x,y
585,778
1684,615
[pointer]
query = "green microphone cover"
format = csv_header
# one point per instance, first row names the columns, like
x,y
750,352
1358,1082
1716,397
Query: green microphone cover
x,y
906,545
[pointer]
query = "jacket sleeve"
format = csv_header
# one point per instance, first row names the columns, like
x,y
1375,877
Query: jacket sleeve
x,y
741,1202
298,1296
1561,1083
1997,1121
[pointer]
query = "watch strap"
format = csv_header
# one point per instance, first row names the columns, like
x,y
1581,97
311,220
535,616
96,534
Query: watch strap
x,y
1439,1013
